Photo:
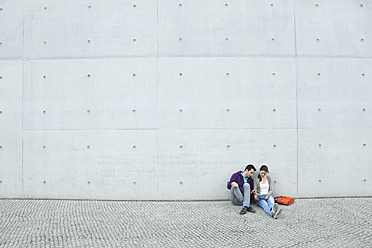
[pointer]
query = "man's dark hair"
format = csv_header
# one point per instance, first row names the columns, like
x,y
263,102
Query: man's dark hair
x,y
250,167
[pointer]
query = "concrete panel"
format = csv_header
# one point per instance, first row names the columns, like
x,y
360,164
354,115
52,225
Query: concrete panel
x,y
334,93
75,29
220,28
196,164
333,28
227,93
11,29
90,94
335,162
164,100
10,129
91,164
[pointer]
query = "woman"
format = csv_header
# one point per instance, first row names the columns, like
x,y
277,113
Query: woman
x,y
263,197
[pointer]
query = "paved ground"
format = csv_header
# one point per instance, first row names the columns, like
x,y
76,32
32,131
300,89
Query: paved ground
x,y
335,222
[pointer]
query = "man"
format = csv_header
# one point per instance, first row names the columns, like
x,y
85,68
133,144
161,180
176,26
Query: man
x,y
241,186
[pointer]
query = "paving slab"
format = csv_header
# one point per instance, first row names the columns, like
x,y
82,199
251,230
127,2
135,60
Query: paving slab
x,y
325,222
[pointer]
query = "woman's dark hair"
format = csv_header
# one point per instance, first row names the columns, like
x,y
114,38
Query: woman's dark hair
x,y
262,168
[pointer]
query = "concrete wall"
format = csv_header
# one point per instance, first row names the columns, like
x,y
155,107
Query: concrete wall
x,y
165,99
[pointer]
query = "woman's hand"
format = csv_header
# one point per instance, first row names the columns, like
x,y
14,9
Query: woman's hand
x,y
266,197
255,198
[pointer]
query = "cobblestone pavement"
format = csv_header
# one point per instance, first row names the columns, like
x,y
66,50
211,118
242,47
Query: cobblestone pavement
x,y
337,222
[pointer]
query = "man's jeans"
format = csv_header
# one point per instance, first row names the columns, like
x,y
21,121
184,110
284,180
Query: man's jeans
x,y
239,198
265,204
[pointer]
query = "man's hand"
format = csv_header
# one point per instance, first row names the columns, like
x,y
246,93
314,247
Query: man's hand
x,y
253,192
235,185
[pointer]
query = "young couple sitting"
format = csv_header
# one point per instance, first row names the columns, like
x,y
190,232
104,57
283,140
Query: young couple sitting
x,y
242,186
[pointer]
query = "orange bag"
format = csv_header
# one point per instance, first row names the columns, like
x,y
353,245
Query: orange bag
x,y
284,200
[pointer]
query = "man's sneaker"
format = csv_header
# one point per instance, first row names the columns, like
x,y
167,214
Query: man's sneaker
x,y
277,213
243,211
274,209
250,209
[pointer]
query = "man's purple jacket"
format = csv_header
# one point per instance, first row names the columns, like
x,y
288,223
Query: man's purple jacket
x,y
238,178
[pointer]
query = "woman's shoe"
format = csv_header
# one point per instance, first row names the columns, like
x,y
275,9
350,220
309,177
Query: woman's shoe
x,y
277,213
274,209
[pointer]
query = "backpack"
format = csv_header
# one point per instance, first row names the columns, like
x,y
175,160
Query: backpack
x,y
284,200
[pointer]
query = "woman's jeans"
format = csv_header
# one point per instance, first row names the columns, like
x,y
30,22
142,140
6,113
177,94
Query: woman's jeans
x,y
265,204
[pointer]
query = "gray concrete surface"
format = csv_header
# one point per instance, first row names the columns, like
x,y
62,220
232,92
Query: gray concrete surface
x,y
335,222
94,93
